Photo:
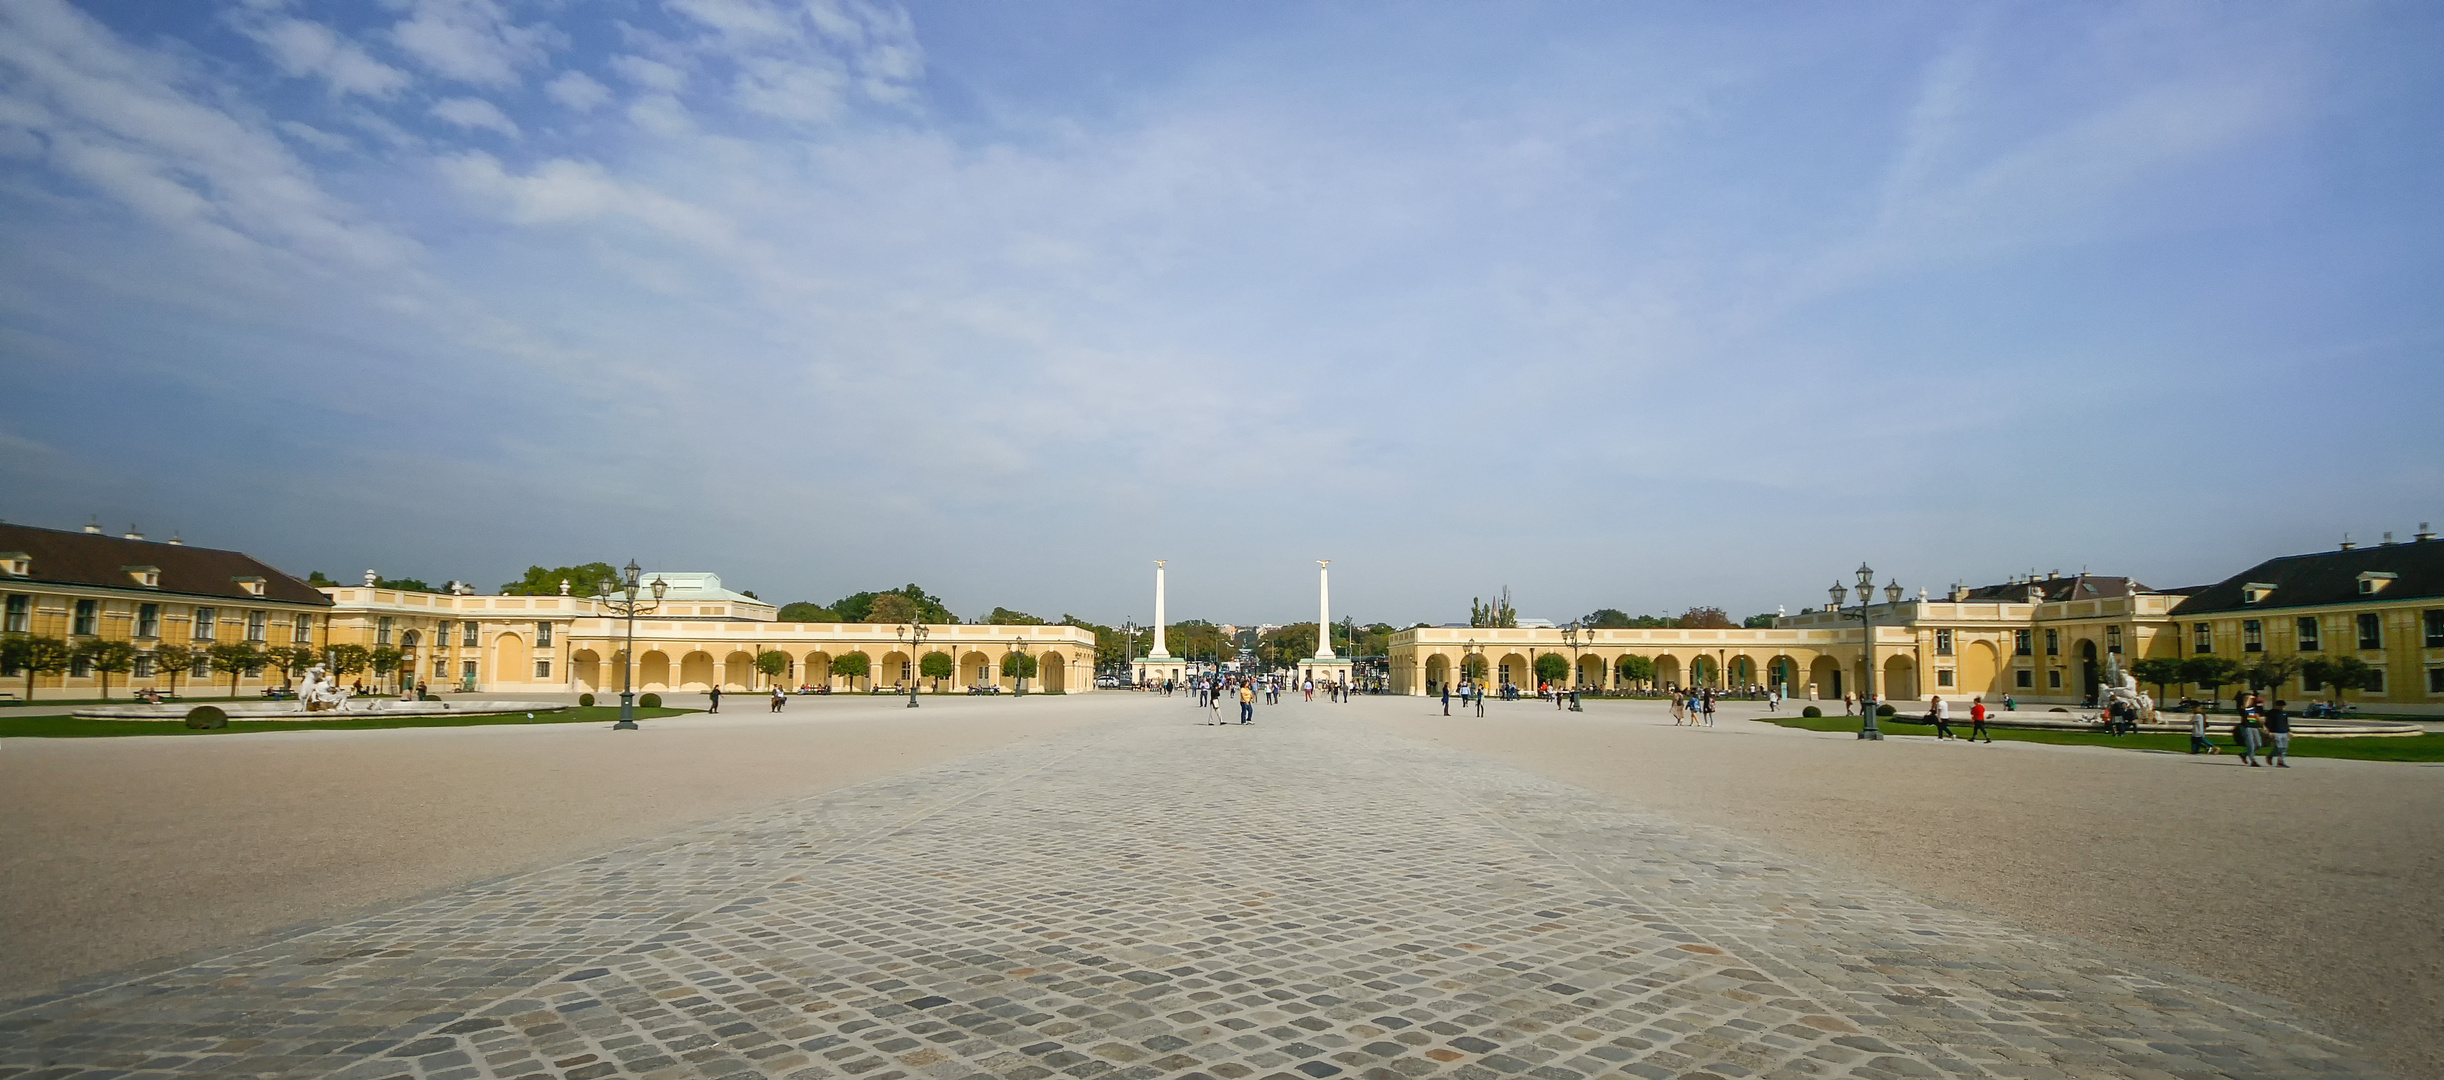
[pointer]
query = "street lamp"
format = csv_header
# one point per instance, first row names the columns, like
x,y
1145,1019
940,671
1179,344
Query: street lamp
x,y
1570,636
913,634
625,602
1128,653
1865,616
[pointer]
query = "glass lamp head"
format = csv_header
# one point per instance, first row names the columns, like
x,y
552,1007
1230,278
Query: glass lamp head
x,y
659,587
630,573
1892,592
1839,592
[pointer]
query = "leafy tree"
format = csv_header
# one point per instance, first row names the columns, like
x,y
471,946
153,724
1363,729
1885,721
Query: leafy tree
x,y
349,659
1498,613
1763,621
2209,671
582,579
106,658
383,661
1285,646
937,666
852,666
172,662
317,578
1552,667
1606,619
858,607
2271,672
1472,668
772,664
1019,666
289,660
408,584
2163,671
1706,618
1196,639
891,608
802,611
1635,669
1002,616
34,656
2343,673
234,658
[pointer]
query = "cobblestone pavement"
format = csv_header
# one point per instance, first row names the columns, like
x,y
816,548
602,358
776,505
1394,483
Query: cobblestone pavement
x,y
1303,898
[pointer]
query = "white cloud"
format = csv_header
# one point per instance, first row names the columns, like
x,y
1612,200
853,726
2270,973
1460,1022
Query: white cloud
x,y
786,90
471,41
650,74
317,137
663,115
304,48
563,191
475,114
740,19
576,90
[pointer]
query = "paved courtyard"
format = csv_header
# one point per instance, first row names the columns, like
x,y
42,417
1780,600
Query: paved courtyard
x,y
1312,896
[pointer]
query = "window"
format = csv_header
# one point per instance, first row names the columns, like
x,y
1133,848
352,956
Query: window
x,y
1943,676
466,669
2053,643
256,622
2053,679
441,667
441,635
2204,643
1943,643
2021,645
302,632
2371,631
2113,639
381,631
148,620
2376,681
2252,636
144,665
543,635
201,669
20,615
80,666
469,630
543,669
204,618
2308,635
88,618
2435,628
2024,679
2435,680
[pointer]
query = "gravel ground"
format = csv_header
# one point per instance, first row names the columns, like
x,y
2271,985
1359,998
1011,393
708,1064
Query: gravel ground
x,y
2317,883
125,850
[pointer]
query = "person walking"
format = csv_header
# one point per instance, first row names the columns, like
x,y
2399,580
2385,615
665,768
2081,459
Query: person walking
x,y
1478,692
2245,733
1977,720
778,699
1247,704
1446,699
2198,743
1709,707
1677,708
1846,707
2278,732
715,695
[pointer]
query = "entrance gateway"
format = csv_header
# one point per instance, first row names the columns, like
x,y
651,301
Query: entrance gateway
x,y
1325,666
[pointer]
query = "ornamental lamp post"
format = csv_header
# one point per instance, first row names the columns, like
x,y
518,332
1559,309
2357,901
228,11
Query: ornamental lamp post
x,y
1866,598
1570,636
625,602
913,633
1128,653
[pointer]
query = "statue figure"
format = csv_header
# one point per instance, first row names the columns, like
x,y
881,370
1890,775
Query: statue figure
x,y
2121,687
320,692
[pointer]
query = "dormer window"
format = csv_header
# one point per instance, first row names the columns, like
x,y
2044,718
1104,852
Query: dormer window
x,y
252,585
16,563
2255,592
146,576
2374,581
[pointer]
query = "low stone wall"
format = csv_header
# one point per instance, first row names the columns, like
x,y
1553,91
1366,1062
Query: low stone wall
x,y
358,708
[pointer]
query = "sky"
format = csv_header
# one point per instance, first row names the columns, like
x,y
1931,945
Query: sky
x,y
1643,306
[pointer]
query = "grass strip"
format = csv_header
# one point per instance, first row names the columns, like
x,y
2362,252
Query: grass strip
x,y
69,727
2428,747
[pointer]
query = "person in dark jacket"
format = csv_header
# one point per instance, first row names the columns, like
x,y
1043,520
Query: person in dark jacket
x,y
2278,732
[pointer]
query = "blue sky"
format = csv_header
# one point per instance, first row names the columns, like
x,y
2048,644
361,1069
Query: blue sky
x,y
1639,306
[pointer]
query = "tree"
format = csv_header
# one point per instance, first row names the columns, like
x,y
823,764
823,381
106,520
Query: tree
x,y
2163,671
2271,672
289,660
2343,673
937,666
1285,646
383,661
1706,618
1472,668
891,608
349,659
1019,666
172,662
582,578
1498,613
1635,669
2208,671
318,579
1764,621
852,666
801,611
34,656
408,584
772,664
106,658
234,658
1002,616
1606,619
1551,668
858,607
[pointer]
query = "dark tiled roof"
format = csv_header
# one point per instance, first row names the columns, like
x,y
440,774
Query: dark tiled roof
x,y
82,558
2058,589
2328,577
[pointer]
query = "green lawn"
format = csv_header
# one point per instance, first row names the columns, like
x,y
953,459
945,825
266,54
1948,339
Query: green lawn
x,y
2363,748
69,727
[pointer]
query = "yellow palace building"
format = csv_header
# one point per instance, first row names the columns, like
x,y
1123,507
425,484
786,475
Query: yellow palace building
x,y
80,587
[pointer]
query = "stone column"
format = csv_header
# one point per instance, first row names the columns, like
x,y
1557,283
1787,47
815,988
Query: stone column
x,y
1160,652
1323,609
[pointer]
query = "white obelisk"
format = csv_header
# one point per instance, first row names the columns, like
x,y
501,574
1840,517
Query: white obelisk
x,y
1323,609
1159,653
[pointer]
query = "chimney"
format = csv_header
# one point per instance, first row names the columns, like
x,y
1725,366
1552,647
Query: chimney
x,y
94,526
132,534
2388,539
370,578
2347,544
2423,534
2052,575
175,540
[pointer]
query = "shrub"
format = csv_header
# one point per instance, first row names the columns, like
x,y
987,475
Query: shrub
x,y
585,701
207,718
1885,710
649,701
1811,712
